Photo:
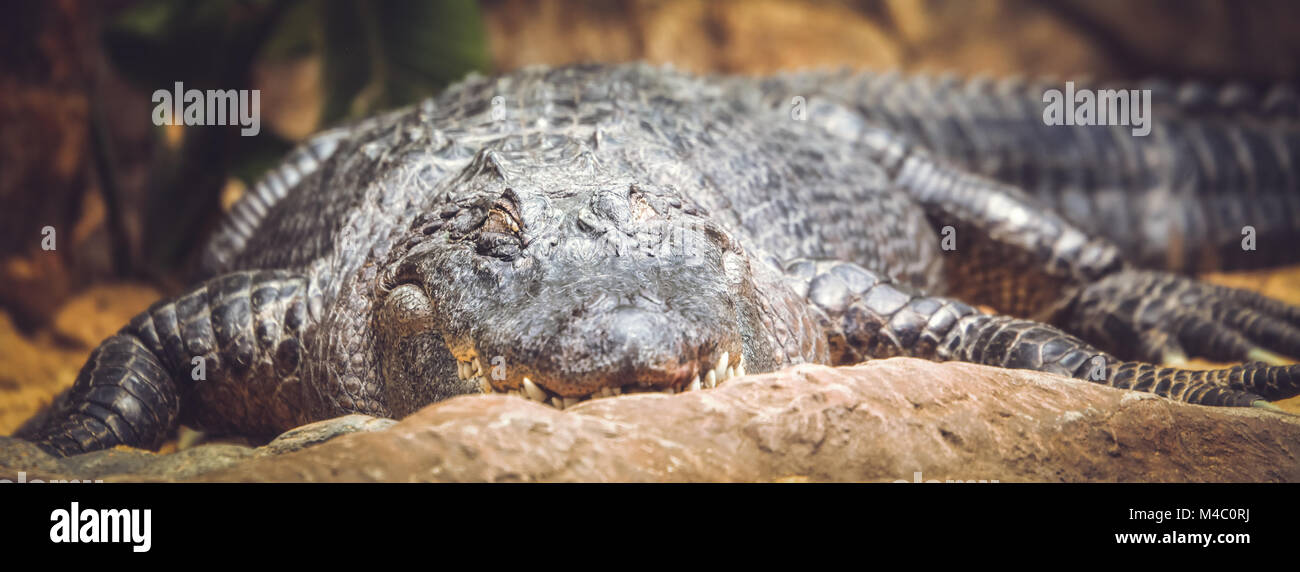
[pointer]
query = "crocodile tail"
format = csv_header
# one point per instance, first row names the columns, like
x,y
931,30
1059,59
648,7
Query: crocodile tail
x,y
1215,185
1216,160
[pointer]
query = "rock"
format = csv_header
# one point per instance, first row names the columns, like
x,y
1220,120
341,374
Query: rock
x,y
193,462
117,464
321,431
881,421
17,455
87,467
889,420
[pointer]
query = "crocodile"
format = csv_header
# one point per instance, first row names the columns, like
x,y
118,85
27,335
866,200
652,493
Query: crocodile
x,y
582,232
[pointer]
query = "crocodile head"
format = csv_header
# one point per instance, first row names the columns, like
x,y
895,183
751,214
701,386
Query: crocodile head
x,y
562,288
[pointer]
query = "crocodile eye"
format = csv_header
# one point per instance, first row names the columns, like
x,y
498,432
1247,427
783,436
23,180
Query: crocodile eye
x,y
502,219
640,207
501,234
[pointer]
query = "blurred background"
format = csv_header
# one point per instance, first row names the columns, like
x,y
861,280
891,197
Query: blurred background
x,y
131,202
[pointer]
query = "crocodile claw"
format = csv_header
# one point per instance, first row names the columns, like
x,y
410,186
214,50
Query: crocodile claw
x,y
1163,318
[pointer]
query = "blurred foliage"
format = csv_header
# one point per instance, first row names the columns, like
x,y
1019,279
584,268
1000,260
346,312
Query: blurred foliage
x,y
380,55
376,55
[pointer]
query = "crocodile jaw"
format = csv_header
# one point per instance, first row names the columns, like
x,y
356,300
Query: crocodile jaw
x,y
722,370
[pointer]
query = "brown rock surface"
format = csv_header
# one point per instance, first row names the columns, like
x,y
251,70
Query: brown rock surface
x,y
881,421
888,420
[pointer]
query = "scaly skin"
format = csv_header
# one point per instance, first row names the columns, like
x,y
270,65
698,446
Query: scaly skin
x,y
581,232
1175,199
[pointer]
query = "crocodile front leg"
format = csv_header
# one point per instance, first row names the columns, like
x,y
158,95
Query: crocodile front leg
x,y
866,316
124,395
224,356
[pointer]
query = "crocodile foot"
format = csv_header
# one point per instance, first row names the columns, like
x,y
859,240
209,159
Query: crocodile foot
x,y
1165,318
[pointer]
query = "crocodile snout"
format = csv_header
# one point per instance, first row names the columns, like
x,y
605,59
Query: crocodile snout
x,y
602,352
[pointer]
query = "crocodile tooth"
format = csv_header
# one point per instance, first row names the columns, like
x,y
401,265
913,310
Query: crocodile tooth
x,y
485,386
557,402
534,393
711,380
740,368
723,360
695,385
616,390
731,372
570,402
478,367
460,369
